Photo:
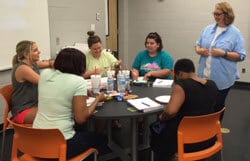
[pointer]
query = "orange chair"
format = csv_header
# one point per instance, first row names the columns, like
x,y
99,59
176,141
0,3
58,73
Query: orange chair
x,y
42,144
6,92
194,129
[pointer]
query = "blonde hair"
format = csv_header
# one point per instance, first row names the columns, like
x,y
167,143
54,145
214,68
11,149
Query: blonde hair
x,y
22,48
228,12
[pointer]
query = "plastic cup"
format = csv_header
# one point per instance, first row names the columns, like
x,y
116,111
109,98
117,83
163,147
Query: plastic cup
x,y
96,83
111,73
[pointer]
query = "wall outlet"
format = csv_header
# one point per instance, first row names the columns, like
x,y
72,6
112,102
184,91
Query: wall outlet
x,y
243,70
98,16
92,27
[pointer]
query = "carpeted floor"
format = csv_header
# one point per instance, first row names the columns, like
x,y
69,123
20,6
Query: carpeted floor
x,y
236,120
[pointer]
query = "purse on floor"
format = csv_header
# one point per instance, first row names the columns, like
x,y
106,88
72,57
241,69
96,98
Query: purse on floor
x,y
158,126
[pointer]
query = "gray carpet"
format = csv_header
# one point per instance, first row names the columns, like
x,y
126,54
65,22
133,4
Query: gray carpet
x,y
236,119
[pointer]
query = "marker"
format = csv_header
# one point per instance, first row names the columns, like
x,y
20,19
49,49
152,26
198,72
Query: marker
x,y
146,104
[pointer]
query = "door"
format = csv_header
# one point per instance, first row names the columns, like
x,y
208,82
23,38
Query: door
x,y
112,37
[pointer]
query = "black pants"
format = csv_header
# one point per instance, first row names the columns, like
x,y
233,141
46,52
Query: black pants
x,y
220,101
84,140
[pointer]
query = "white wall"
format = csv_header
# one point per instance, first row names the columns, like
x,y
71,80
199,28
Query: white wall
x,y
23,20
70,20
178,22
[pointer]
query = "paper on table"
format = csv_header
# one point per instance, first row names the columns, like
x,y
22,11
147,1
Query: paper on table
x,y
140,80
163,83
145,104
90,100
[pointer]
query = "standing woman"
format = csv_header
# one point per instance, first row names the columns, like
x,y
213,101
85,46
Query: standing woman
x,y
99,61
153,62
25,76
221,46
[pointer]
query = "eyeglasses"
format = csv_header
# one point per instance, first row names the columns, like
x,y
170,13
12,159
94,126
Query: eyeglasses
x,y
217,14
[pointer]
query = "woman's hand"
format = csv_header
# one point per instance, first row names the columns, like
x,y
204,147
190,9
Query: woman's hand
x,y
202,51
97,71
134,74
118,63
148,75
217,52
100,97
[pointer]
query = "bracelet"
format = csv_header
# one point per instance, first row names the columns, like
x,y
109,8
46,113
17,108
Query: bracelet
x,y
225,55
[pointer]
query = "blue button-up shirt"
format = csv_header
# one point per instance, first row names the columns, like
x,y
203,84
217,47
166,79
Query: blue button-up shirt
x,y
223,71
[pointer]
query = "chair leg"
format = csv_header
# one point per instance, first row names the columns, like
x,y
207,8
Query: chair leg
x,y
152,156
95,157
221,155
2,146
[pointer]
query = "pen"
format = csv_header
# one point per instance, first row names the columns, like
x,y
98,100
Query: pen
x,y
146,104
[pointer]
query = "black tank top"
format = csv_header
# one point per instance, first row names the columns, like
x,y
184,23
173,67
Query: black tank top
x,y
199,98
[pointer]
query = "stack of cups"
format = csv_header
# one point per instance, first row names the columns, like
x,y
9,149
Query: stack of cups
x,y
96,83
127,79
110,81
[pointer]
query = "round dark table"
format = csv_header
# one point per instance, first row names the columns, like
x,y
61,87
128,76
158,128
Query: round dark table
x,y
116,110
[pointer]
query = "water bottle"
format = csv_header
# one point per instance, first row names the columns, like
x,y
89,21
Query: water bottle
x,y
121,82
127,79
110,84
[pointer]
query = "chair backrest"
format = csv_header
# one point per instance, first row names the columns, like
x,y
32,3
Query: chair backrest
x,y
194,129
41,143
6,91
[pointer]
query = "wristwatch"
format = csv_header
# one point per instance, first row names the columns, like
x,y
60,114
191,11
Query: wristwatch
x,y
225,55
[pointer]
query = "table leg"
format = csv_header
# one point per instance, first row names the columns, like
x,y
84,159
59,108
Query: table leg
x,y
109,130
117,151
134,132
146,134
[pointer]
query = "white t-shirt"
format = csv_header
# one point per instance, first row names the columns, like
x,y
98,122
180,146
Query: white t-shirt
x,y
55,109
207,70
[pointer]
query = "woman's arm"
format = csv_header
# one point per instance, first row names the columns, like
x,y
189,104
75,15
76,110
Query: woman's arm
x,y
45,64
234,56
88,73
175,103
81,111
159,73
26,73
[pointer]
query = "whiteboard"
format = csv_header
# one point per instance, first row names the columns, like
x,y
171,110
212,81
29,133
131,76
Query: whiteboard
x,y
23,20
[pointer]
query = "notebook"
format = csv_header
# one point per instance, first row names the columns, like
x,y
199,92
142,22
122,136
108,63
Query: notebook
x,y
163,83
145,104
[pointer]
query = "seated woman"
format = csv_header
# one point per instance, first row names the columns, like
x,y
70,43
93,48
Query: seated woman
x,y
191,96
62,102
153,62
25,76
99,61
